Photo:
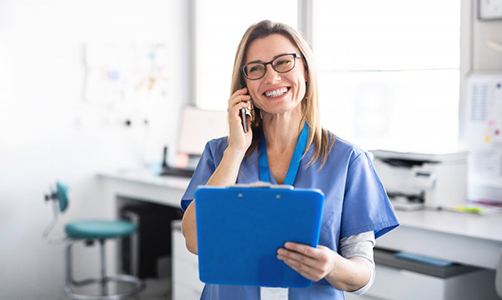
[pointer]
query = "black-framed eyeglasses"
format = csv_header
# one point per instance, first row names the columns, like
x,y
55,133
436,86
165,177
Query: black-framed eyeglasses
x,y
281,64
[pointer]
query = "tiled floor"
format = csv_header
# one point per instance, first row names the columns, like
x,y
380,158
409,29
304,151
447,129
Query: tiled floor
x,y
156,289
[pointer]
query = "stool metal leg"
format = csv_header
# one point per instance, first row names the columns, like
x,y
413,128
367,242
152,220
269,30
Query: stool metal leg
x,y
68,258
136,284
104,290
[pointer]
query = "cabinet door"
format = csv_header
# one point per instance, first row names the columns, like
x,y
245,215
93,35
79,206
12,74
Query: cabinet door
x,y
186,283
182,292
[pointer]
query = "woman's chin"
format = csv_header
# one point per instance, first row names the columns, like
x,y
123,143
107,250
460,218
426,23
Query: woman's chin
x,y
279,107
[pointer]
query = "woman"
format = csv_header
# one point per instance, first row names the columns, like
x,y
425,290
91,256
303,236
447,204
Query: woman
x,y
274,72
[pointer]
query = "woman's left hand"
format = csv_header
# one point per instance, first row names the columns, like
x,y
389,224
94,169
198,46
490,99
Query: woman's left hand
x,y
312,263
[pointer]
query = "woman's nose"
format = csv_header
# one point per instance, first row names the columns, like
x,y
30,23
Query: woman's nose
x,y
271,74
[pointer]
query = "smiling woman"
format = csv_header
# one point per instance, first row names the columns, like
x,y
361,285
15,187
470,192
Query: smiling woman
x,y
273,72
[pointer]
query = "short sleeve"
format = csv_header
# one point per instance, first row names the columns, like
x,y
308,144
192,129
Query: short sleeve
x,y
203,171
366,206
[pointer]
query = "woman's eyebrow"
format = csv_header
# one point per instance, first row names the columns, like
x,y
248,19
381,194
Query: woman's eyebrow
x,y
261,61
255,61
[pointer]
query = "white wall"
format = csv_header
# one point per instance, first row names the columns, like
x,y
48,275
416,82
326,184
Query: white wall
x,y
486,58
41,140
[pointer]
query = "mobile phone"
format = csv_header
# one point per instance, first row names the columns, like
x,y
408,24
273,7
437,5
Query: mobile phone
x,y
246,113
244,119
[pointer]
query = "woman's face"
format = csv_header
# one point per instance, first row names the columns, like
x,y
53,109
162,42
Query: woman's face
x,y
275,92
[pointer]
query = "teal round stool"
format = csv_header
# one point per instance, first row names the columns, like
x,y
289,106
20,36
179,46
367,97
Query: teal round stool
x,y
90,231
98,229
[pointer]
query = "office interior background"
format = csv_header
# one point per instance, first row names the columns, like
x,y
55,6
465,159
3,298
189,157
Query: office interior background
x,y
91,86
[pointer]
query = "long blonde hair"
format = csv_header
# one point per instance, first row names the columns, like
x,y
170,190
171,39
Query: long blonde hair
x,y
318,136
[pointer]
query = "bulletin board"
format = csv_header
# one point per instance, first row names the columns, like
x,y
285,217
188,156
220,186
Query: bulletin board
x,y
483,129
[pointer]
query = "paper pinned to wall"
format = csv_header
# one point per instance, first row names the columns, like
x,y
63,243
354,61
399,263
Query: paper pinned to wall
x,y
124,80
484,129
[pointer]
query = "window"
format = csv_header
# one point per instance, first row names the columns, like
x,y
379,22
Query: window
x,y
389,71
219,27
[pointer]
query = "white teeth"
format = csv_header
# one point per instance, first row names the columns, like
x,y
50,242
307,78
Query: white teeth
x,y
276,93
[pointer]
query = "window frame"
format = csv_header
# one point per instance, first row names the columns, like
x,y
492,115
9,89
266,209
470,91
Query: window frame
x,y
305,27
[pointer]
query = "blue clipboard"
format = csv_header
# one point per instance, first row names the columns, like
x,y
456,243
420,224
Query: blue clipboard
x,y
239,230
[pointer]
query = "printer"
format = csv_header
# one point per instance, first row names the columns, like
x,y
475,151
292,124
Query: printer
x,y
418,180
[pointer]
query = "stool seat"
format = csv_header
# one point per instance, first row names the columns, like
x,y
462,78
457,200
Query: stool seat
x,y
99,229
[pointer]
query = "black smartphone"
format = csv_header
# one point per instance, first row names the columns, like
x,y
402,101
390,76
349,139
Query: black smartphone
x,y
246,113
244,119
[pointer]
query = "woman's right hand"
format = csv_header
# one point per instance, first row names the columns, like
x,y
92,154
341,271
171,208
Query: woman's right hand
x,y
237,138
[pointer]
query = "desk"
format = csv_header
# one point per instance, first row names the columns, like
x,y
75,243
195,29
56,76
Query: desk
x,y
139,185
464,238
142,185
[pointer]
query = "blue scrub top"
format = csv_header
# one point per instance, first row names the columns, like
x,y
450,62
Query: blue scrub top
x,y
355,202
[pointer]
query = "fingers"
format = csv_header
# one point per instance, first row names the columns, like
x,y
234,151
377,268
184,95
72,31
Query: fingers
x,y
235,121
235,110
290,255
238,96
238,137
304,270
239,99
242,91
303,249
311,263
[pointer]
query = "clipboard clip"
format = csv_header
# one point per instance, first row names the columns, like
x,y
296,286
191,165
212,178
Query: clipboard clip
x,y
262,184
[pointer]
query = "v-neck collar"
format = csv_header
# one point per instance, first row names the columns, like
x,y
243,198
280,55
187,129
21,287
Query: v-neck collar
x,y
294,164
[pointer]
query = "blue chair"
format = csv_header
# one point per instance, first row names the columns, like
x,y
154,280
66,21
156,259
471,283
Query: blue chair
x,y
90,231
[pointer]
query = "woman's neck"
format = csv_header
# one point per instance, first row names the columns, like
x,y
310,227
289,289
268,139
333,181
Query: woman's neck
x,y
281,130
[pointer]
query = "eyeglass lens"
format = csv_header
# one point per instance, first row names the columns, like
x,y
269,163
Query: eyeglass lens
x,y
281,64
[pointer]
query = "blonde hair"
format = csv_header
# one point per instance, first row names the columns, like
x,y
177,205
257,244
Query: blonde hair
x,y
319,137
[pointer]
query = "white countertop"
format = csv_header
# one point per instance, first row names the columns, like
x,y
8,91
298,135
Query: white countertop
x,y
146,177
487,227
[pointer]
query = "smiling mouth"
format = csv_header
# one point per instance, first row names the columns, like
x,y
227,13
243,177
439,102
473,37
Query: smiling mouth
x,y
276,93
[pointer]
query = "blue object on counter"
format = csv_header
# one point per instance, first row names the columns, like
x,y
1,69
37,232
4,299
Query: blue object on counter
x,y
437,262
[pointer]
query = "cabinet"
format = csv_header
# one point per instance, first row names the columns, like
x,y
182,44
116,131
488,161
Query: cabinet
x,y
186,283
400,278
